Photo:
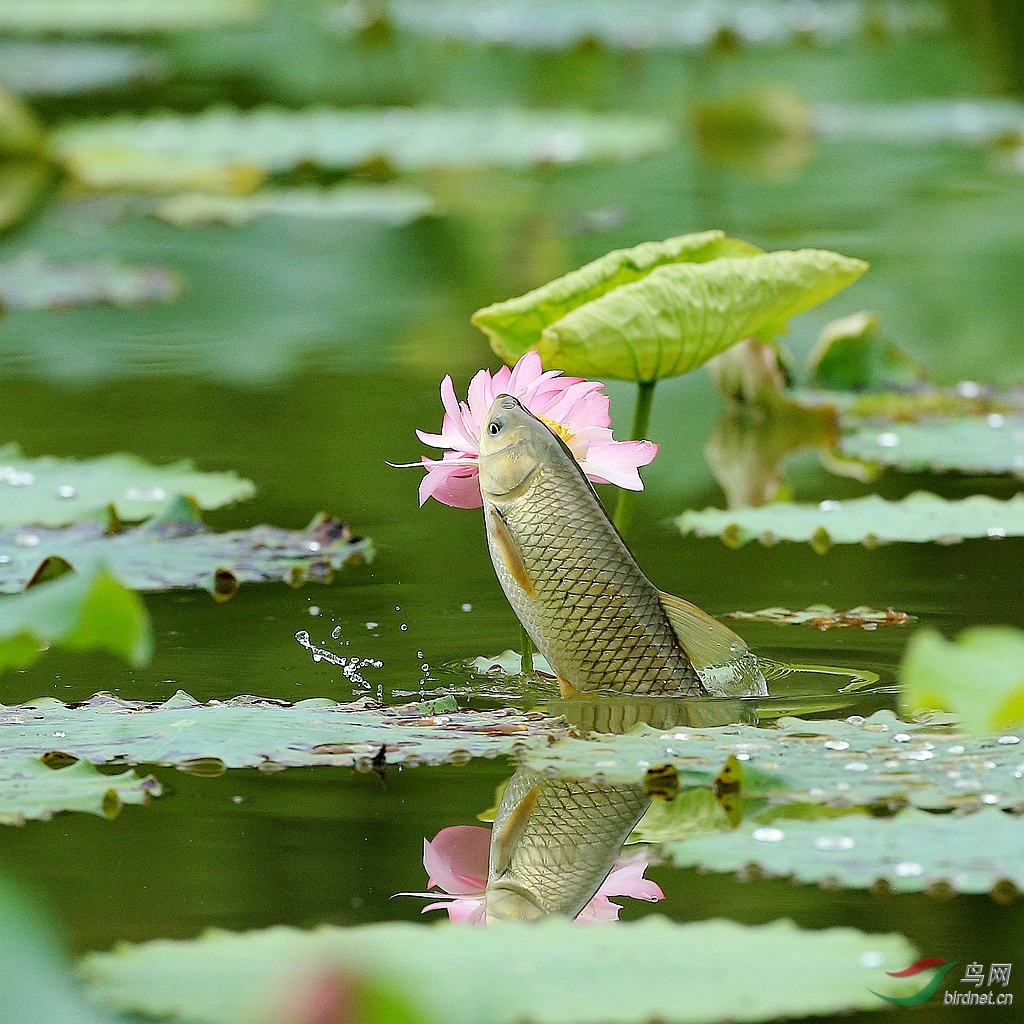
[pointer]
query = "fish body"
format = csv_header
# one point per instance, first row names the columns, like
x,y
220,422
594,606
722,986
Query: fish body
x,y
553,843
575,586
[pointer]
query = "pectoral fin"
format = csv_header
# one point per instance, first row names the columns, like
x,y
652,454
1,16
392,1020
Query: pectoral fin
x,y
508,551
721,657
505,836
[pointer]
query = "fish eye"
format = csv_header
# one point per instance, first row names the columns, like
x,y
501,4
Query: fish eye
x,y
494,427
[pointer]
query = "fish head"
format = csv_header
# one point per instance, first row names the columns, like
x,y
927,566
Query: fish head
x,y
506,901
514,446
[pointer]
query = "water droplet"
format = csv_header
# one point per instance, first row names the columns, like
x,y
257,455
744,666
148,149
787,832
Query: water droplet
x,y
995,532
995,420
901,737
237,799
743,756
917,755
829,506
60,735
957,748
336,633
15,478
145,494
989,798
768,835
312,545
1009,741
872,959
4,559
856,766
314,609
908,869
398,607
372,625
888,439
467,607
834,843
856,719
836,745
404,626
26,540
968,389
67,491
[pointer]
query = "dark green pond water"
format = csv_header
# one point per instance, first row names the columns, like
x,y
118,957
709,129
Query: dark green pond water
x,y
304,354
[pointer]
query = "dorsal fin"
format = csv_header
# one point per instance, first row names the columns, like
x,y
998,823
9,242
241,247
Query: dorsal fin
x,y
509,552
726,665
507,833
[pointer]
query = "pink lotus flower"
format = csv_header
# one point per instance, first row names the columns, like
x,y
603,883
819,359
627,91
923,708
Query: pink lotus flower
x,y
576,409
456,864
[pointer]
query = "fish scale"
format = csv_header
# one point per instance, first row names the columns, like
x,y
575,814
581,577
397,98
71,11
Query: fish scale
x,y
594,615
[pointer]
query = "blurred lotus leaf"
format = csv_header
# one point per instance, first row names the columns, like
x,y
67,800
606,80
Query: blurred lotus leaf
x,y
48,491
872,520
912,851
36,17
979,677
989,444
21,183
821,616
229,150
78,611
176,550
230,978
72,67
663,308
851,356
21,134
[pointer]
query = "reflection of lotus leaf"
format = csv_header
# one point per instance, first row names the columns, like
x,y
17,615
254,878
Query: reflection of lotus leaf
x,y
515,972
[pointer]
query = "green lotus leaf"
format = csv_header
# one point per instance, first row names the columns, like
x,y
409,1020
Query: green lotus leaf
x,y
21,183
850,355
513,973
31,283
643,25
48,491
231,150
913,851
253,732
671,317
35,17
919,518
175,550
60,67
979,677
858,762
29,790
21,134
80,612
965,444
387,204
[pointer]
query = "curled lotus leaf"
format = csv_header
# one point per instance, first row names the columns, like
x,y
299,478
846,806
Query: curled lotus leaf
x,y
47,491
686,301
32,791
230,978
912,851
920,517
255,732
79,612
979,677
877,761
990,444
176,550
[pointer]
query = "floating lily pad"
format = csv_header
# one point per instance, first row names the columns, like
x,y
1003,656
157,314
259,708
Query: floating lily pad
x,y
44,16
29,790
32,283
913,851
91,611
175,550
174,151
663,308
514,972
979,677
387,204
857,762
254,732
966,444
872,520
69,68
643,25
821,616
47,491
